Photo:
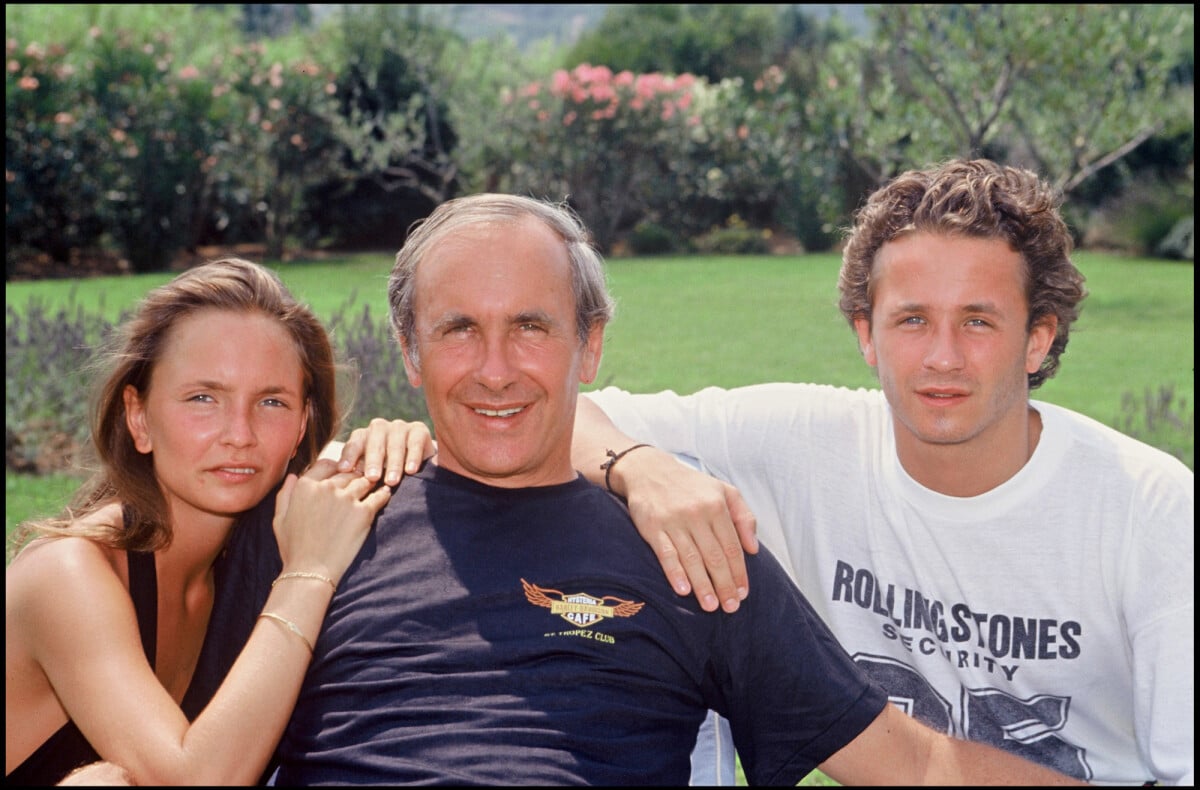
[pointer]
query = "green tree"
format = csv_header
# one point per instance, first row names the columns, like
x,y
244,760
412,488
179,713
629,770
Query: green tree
x,y
714,41
391,119
1067,89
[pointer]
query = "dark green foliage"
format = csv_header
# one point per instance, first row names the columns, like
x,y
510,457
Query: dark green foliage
x,y
735,239
650,238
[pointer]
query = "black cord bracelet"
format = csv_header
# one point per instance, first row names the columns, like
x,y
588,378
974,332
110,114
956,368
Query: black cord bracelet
x,y
612,459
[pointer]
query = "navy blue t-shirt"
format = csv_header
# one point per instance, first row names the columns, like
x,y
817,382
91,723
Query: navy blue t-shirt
x,y
528,636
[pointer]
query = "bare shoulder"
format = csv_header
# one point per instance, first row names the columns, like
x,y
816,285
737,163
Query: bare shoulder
x,y
62,571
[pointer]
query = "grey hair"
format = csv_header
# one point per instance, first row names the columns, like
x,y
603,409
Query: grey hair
x,y
593,304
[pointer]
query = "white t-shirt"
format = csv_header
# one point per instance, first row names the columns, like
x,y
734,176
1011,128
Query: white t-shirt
x,y
1051,616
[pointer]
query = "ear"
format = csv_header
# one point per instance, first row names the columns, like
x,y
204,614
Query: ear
x,y
866,347
1041,337
410,368
135,419
593,348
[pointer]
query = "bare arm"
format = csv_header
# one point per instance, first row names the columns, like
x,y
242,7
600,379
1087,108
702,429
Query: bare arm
x,y
896,749
696,524
73,604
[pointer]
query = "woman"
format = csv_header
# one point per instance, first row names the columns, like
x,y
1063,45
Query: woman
x,y
218,388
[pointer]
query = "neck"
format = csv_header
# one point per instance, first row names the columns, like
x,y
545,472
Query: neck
x,y
193,551
977,466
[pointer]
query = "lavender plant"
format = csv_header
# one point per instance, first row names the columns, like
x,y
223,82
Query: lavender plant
x,y
46,382
378,386
1162,419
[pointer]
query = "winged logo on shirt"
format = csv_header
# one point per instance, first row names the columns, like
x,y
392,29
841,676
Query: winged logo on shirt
x,y
580,609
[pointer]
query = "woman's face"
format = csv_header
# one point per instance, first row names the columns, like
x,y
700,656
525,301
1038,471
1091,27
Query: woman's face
x,y
224,413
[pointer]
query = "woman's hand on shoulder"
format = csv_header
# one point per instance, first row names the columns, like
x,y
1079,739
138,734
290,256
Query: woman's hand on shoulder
x,y
384,449
323,516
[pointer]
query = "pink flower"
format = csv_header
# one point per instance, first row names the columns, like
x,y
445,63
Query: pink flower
x,y
28,83
189,72
560,82
646,85
603,92
569,118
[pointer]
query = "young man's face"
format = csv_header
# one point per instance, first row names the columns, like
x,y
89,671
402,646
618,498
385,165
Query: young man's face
x,y
500,357
948,340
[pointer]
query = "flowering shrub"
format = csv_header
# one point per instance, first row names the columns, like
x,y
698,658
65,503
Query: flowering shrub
x,y
278,140
680,152
127,140
605,141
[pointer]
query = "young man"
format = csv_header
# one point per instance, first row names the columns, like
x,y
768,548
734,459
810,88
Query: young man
x,y
1010,571
505,623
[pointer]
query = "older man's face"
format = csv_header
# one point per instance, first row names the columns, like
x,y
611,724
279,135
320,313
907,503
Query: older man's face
x,y
500,356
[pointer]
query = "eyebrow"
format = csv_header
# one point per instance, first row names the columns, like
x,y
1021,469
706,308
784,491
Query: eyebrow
x,y
535,316
453,320
988,308
208,384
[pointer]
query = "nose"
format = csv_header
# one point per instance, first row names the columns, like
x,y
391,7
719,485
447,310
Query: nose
x,y
496,370
944,352
239,428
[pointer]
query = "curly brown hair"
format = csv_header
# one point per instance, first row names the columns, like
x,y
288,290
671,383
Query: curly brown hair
x,y
980,199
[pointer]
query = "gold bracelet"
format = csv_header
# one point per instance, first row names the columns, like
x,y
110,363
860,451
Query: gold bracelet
x,y
304,575
291,627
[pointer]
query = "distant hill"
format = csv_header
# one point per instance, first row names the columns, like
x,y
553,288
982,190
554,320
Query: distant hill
x,y
564,23
526,23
